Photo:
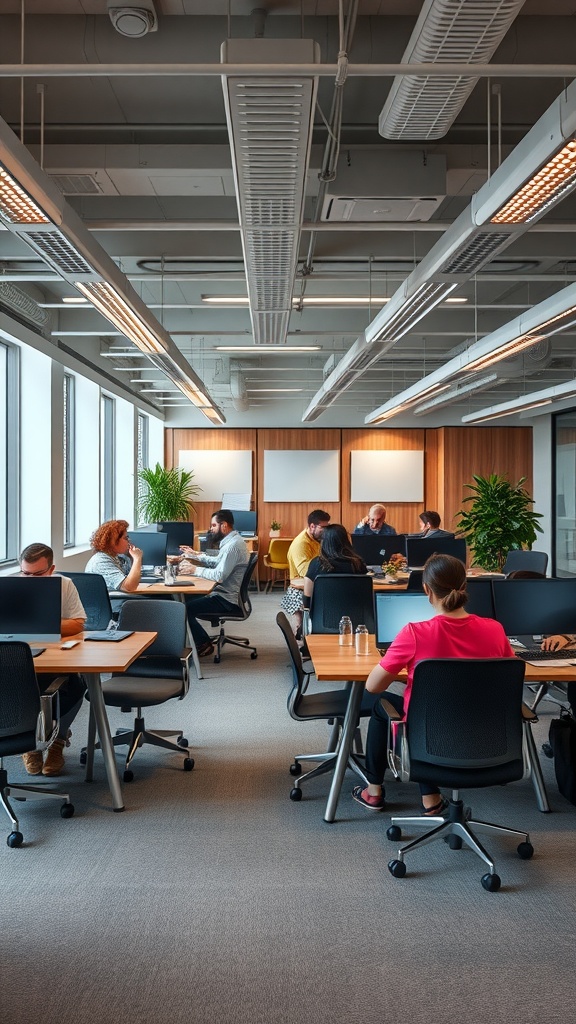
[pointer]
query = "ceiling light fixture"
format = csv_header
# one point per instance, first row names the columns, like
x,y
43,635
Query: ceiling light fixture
x,y
469,244
454,394
534,400
260,350
33,209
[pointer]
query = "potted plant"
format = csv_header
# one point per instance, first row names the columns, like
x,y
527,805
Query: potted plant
x,y
166,495
500,518
275,528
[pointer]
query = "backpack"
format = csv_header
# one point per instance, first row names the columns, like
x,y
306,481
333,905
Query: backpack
x,y
562,738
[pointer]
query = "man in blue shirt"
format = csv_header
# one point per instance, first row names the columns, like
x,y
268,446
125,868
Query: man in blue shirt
x,y
227,568
374,524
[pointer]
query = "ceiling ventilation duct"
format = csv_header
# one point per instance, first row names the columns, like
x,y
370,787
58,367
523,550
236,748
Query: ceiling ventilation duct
x,y
238,391
539,173
23,308
270,124
447,31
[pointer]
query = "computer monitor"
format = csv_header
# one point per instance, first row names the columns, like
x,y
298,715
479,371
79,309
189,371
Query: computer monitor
x,y
419,549
535,606
377,549
153,546
395,610
30,609
480,600
177,533
244,522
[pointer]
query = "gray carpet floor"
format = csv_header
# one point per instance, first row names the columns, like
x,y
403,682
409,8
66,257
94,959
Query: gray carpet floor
x,y
213,897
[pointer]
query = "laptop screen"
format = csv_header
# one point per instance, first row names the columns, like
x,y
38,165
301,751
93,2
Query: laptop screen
x,y
393,611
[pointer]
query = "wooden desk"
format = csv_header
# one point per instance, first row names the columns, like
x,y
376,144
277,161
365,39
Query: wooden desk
x,y
377,583
178,590
92,658
342,664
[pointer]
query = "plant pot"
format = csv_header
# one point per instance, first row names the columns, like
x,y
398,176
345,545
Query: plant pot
x,y
274,533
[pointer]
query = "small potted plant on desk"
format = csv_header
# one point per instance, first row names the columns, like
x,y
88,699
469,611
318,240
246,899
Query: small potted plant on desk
x,y
275,528
392,568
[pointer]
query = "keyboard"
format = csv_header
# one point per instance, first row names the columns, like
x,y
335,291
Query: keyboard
x,y
566,654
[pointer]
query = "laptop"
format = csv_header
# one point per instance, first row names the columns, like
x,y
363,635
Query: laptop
x,y
395,610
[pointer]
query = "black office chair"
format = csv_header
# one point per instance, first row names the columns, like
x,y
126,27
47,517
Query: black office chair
x,y
537,561
330,705
415,581
336,594
244,611
95,598
466,728
28,721
160,674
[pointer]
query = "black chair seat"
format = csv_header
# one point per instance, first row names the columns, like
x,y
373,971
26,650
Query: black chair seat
x,y
140,691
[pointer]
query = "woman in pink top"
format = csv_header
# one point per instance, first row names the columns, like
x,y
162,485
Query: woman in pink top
x,y
452,633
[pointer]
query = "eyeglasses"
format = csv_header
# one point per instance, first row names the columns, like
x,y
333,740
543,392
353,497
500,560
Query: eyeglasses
x,y
39,572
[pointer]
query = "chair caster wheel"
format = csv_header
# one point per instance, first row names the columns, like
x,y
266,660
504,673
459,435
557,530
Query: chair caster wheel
x,y
491,882
216,659
394,833
454,842
525,851
254,655
82,757
295,769
188,764
182,742
67,810
547,750
128,775
15,839
397,868
296,794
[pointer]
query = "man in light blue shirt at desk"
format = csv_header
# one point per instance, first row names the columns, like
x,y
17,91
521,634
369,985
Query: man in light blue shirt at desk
x,y
227,568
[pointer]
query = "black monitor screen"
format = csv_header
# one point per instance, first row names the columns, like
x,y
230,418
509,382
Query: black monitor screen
x,y
480,600
244,522
393,611
535,606
153,546
177,533
30,609
418,550
376,550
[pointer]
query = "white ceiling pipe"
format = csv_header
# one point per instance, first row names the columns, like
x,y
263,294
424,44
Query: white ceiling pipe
x,y
287,70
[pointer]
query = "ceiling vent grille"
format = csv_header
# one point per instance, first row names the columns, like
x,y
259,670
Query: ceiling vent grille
x,y
447,31
56,250
270,124
76,184
476,253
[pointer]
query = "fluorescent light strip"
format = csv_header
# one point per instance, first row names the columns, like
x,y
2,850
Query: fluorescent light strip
x,y
546,187
16,206
534,400
409,403
512,348
454,394
262,349
112,306
262,391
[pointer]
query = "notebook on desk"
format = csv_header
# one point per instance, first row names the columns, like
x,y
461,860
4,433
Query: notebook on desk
x,y
110,635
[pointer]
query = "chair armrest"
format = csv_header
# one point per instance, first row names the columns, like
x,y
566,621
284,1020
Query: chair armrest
x,y
49,715
185,659
393,714
54,686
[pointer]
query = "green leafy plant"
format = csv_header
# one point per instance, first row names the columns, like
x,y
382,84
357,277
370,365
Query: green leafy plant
x,y
500,518
275,525
167,495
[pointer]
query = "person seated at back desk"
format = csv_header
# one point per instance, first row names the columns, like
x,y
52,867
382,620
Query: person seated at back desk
x,y
374,524
302,550
37,561
115,558
227,568
430,526
559,642
336,555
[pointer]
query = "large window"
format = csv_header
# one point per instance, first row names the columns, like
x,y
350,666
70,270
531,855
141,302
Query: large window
x,y
565,493
108,457
9,461
142,452
69,465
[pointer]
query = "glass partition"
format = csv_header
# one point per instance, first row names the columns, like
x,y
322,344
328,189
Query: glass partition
x,y
564,455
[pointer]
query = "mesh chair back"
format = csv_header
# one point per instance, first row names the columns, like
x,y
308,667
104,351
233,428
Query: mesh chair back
x,y
415,581
94,596
298,675
336,594
464,721
537,561
19,698
244,602
167,618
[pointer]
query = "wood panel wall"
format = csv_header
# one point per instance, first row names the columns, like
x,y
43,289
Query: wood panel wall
x,y
451,456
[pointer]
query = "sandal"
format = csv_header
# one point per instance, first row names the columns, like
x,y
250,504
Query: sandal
x,y
437,809
205,650
372,803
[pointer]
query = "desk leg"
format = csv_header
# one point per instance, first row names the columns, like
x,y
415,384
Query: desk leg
x,y
190,639
98,709
536,771
346,741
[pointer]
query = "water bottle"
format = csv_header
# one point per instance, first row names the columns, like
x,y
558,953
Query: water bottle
x,y
169,575
362,640
345,638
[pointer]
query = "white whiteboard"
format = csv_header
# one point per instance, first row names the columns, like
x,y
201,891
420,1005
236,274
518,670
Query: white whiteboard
x,y
218,471
302,476
387,476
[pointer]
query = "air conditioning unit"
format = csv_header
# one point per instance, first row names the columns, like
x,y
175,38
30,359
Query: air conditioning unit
x,y
369,186
133,21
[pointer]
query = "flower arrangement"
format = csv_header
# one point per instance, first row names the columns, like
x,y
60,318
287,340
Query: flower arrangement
x,y
396,564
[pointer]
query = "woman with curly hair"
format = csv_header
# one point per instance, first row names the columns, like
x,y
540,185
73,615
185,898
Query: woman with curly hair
x,y
336,555
115,558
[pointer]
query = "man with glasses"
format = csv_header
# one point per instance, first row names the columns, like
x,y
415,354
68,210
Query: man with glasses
x,y
37,561
374,524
